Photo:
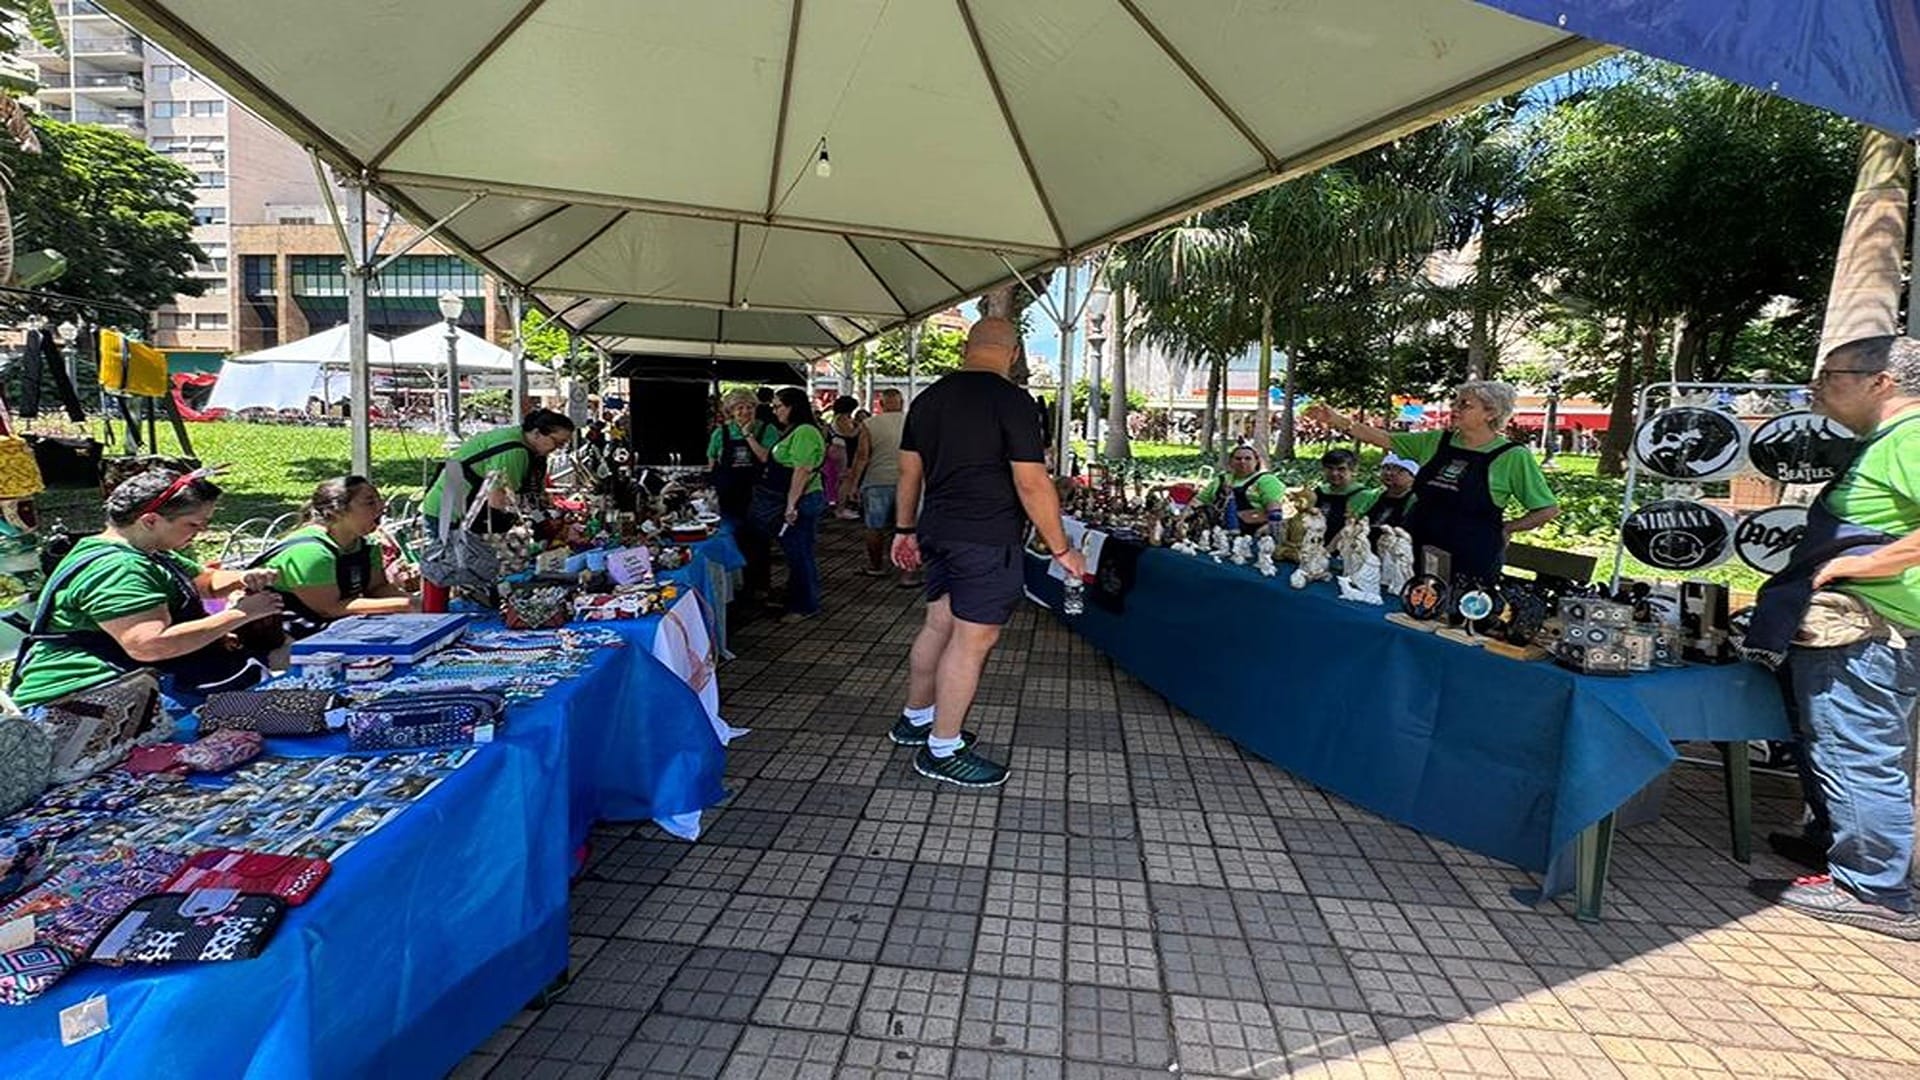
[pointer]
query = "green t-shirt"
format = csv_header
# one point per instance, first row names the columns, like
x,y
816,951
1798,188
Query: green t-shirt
x,y
717,440
1882,492
304,565
1370,498
804,445
512,465
110,587
1514,477
1266,492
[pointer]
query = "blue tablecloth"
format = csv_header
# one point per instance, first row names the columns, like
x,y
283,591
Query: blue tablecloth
x,y
431,933
1508,758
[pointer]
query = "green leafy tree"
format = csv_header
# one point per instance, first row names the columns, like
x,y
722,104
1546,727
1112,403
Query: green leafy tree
x,y
939,352
38,18
121,214
548,344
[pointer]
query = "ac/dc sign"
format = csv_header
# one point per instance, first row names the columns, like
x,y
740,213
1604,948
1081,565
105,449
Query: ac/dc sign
x,y
1766,538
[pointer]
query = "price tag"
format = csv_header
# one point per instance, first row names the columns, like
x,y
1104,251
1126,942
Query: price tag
x,y
17,934
83,1021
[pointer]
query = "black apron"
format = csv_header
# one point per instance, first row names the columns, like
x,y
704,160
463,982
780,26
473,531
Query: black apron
x,y
214,667
1230,500
1389,512
352,575
734,474
768,510
499,521
1334,507
1782,602
1454,511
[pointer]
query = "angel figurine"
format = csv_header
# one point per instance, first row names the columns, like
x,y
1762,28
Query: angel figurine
x,y
1263,562
1313,562
1359,579
1242,550
1396,559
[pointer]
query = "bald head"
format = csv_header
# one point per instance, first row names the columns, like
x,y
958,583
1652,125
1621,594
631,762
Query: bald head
x,y
991,343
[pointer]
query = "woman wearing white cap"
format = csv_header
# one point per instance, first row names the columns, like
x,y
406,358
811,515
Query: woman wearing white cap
x,y
1388,504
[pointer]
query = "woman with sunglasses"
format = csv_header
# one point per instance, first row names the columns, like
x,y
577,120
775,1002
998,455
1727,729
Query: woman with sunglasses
x,y
329,569
128,599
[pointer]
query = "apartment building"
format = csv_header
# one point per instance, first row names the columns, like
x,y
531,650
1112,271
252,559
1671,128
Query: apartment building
x,y
273,267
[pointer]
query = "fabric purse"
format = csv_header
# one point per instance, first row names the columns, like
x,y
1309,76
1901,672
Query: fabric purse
x,y
93,730
20,862
199,926
26,762
71,909
442,719
268,712
289,877
19,472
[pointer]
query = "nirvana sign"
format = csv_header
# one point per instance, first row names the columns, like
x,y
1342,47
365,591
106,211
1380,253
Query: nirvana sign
x,y
1673,534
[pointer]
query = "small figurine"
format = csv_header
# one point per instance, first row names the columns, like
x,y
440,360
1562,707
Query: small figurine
x,y
1359,579
1294,513
1264,563
1396,559
1242,550
1313,562
1222,544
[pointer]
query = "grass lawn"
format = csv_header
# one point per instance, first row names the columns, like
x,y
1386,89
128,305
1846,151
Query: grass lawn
x,y
274,468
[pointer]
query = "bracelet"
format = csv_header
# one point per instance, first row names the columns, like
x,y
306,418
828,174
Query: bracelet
x,y
1059,554
905,530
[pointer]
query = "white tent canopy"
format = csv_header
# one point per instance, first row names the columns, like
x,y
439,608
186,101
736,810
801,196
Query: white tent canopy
x,y
427,348
277,385
633,328
325,347
678,149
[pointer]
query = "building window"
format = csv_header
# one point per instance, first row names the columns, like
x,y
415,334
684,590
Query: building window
x,y
216,260
169,73
210,320
209,108
211,179
215,286
256,275
164,109
208,144
170,144
209,215
173,320
297,221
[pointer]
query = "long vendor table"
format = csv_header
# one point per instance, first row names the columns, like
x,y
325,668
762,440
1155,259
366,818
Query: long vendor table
x,y
433,931
1523,761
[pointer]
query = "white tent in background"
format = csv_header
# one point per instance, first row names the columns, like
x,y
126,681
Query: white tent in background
x,y
275,385
325,347
427,348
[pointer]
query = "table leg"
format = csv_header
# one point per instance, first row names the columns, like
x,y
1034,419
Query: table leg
x,y
1593,849
1737,764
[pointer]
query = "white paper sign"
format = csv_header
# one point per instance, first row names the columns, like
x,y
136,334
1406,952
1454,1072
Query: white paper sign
x,y
84,1021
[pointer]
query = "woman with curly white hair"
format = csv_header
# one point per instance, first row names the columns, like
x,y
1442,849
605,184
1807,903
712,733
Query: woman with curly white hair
x,y
1469,475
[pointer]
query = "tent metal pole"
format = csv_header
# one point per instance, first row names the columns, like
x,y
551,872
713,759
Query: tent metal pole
x,y
913,360
519,355
429,231
333,207
354,233
1913,259
1063,400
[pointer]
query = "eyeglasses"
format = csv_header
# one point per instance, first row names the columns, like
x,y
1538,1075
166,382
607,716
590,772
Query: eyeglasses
x,y
1821,379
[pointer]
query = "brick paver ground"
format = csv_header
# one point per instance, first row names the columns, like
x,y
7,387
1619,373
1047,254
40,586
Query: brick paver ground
x,y
1143,899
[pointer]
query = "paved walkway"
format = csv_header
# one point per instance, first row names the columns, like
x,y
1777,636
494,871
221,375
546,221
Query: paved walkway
x,y
1143,899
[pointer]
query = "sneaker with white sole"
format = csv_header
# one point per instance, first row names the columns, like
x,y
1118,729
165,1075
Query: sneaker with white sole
x,y
1819,896
963,768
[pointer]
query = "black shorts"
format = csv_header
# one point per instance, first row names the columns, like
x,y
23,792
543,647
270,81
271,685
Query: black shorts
x,y
982,582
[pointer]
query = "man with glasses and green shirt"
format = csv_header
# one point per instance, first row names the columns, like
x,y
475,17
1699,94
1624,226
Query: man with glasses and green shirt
x,y
1852,683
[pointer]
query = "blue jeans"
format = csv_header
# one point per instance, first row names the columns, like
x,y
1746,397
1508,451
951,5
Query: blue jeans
x,y
1852,703
799,542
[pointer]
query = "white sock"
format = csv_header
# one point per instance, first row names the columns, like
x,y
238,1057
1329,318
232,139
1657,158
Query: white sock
x,y
943,748
918,717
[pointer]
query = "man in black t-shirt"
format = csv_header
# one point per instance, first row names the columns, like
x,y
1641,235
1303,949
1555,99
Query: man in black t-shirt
x,y
974,446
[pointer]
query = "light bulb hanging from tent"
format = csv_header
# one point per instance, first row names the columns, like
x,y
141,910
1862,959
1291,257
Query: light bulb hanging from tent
x,y
822,164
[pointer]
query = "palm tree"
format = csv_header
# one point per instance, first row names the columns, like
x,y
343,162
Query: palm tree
x,y
38,17
1280,248
1865,298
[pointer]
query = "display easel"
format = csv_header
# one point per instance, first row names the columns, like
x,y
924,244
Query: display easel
x,y
1749,400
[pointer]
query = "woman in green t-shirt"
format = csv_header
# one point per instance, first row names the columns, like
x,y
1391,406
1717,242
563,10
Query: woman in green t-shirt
x,y
126,599
327,568
1469,475
788,503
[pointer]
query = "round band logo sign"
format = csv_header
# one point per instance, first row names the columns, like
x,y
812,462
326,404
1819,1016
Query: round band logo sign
x,y
1691,443
1765,539
1676,535
1802,448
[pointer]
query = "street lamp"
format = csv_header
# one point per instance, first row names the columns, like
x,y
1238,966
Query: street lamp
x,y
1556,370
451,305
1096,340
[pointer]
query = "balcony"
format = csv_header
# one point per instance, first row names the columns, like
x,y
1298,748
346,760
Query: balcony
x,y
131,120
106,50
106,88
79,9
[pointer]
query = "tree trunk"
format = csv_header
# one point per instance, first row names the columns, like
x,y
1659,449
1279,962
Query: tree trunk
x,y
1626,388
1262,412
1118,447
1479,340
1689,349
1285,451
6,238
1207,419
1865,298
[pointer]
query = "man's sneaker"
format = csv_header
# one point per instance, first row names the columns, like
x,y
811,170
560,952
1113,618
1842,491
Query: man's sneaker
x,y
907,733
964,768
1819,897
